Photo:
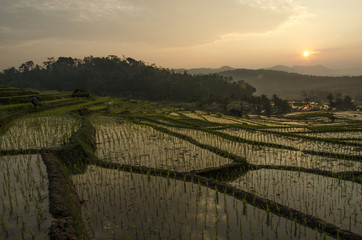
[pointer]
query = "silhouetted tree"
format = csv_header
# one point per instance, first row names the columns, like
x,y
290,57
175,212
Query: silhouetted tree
x,y
341,104
330,99
266,105
125,77
280,106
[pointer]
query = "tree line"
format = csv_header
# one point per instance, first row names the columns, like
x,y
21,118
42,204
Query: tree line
x,y
127,77
113,76
340,103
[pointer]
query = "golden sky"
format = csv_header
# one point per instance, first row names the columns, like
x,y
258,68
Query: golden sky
x,y
185,33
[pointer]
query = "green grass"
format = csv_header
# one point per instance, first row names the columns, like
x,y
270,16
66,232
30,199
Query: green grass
x,y
16,93
89,102
15,106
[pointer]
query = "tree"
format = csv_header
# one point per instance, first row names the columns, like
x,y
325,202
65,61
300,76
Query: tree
x,y
266,105
330,99
280,106
341,104
339,101
347,103
126,77
348,100
27,66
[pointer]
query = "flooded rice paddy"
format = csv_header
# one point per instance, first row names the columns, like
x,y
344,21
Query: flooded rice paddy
x,y
330,199
264,155
299,143
24,198
38,132
121,204
139,206
132,144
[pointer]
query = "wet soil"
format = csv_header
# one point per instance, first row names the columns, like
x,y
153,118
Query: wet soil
x,y
64,202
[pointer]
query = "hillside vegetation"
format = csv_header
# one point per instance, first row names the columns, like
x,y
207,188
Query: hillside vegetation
x,y
297,86
112,76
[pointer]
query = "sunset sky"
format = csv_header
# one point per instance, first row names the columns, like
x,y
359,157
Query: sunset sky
x,y
185,33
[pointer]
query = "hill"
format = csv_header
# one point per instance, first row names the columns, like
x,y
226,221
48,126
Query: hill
x,y
204,70
112,76
317,70
296,86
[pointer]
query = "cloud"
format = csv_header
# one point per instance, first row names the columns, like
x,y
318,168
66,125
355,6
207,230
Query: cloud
x,y
162,23
297,12
275,5
80,10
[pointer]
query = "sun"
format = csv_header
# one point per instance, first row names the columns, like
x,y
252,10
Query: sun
x,y
306,53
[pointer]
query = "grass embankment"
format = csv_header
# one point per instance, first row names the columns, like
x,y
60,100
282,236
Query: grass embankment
x,y
65,205
61,162
16,109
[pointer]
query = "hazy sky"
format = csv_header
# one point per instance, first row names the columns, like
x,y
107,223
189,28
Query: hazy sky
x,y
185,33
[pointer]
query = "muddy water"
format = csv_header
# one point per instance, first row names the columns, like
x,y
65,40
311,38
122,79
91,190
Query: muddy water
x,y
24,198
335,201
120,205
301,144
38,132
136,145
271,156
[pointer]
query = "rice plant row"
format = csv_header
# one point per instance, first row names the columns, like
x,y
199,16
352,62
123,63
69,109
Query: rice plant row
x,y
263,155
139,206
330,199
336,135
24,200
301,144
137,145
38,132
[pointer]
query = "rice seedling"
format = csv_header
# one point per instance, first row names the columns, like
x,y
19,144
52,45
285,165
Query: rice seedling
x,y
171,200
24,198
336,135
167,208
330,199
292,141
137,145
38,132
265,155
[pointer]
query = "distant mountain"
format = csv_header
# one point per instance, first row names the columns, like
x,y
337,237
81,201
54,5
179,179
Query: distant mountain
x,y
317,70
203,70
297,82
297,86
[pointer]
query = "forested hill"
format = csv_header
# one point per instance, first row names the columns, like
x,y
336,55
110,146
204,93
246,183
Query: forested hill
x,y
293,85
123,77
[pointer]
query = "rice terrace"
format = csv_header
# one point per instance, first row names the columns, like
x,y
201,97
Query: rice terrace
x,y
119,168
